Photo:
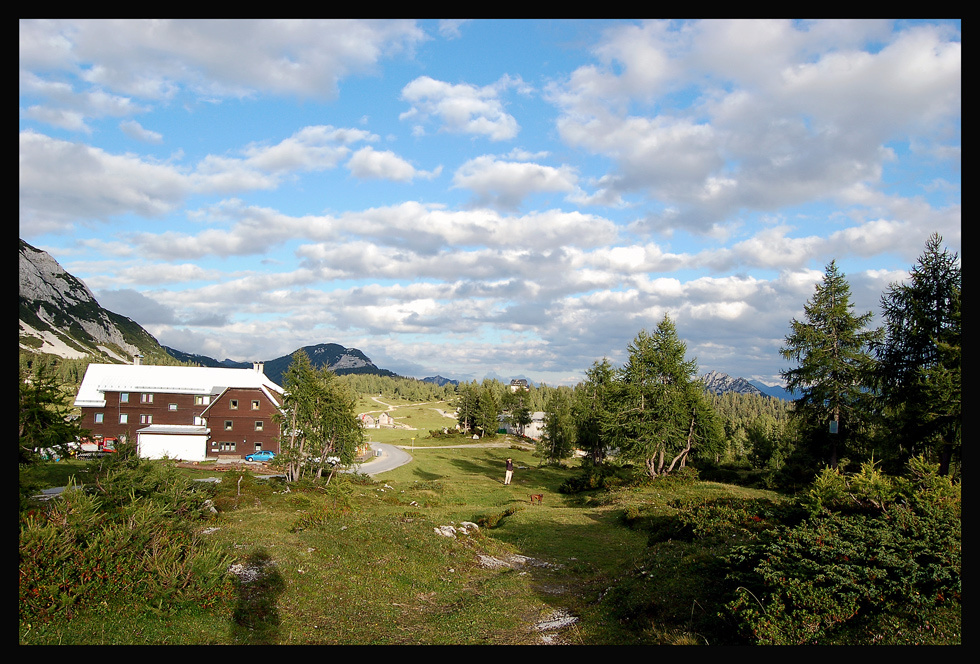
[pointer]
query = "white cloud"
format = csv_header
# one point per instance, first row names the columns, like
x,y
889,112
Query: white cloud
x,y
134,130
784,128
63,182
462,108
506,184
369,163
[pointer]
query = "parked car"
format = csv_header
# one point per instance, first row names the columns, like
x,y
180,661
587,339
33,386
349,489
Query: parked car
x,y
261,455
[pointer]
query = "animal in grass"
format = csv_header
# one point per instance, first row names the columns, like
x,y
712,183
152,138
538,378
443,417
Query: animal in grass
x,y
537,497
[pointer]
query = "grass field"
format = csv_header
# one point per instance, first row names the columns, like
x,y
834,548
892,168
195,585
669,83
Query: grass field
x,y
361,562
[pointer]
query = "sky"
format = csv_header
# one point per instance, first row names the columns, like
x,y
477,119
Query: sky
x,y
490,198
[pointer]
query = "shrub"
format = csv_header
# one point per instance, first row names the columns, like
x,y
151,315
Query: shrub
x,y
593,478
494,519
85,549
899,548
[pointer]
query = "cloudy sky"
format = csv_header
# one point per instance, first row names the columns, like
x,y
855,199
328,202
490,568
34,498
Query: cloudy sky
x,y
503,198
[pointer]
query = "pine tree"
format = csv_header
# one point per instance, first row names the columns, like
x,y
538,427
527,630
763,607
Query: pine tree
x,y
832,349
919,375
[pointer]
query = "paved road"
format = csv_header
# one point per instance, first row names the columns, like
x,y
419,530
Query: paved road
x,y
391,457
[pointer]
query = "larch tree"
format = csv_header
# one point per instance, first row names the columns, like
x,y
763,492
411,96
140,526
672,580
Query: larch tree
x,y
662,411
919,357
831,347
320,428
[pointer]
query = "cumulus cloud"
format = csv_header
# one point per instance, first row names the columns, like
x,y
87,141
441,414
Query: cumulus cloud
x,y
788,127
148,58
134,130
63,182
368,163
462,107
505,184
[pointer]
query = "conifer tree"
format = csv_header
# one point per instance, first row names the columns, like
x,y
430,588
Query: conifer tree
x,y
919,374
318,420
662,410
832,349
559,426
594,411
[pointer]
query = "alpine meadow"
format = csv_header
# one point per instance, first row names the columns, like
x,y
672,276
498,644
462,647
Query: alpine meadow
x,y
490,332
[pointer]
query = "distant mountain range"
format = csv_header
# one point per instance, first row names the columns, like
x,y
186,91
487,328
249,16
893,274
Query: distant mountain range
x,y
60,316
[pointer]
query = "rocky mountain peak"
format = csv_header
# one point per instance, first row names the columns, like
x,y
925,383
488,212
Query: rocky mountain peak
x,y
719,383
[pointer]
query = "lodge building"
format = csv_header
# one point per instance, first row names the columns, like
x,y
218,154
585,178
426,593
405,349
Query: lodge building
x,y
190,413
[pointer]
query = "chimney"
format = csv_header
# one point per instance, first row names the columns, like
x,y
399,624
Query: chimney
x,y
259,366
136,359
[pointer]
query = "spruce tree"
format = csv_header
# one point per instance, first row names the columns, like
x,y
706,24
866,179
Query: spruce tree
x,y
832,349
559,427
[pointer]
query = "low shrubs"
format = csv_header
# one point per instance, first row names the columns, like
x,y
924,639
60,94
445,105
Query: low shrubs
x,y
493,520
128,537
873,545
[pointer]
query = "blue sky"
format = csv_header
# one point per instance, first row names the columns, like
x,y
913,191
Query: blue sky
x,y
472,198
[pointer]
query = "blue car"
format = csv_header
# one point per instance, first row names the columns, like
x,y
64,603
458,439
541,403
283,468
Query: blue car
x,y
263,455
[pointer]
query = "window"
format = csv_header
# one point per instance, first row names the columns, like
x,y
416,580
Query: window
x,y
255,404
146,398
228,424
124,397
258,425
99,418
123,418
202,400
234,404
171,406
146,419
227,447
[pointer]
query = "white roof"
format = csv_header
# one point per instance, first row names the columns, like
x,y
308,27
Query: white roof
x,y
102,378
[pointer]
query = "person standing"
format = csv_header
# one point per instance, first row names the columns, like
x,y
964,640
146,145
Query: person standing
x,y
510,471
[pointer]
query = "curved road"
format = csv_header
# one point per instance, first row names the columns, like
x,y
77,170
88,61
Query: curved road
x,y
391,457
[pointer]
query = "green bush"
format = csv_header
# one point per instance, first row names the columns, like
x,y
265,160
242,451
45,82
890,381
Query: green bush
x,y
493,520
873,545
592,479
121,541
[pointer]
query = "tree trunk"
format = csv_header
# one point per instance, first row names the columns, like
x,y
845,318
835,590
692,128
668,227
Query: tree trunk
x,y
944,458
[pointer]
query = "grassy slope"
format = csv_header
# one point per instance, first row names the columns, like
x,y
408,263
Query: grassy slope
x,y
362,564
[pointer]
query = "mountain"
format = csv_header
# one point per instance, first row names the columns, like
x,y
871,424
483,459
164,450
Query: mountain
x,y
440,381
205,361
60,316
335,357
719,383
775,391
